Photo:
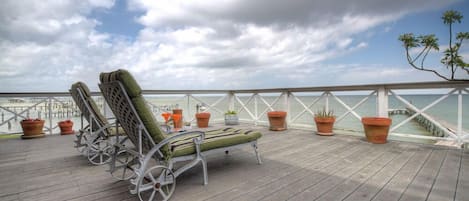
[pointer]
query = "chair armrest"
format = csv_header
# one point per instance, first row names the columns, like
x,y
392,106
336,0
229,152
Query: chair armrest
x,y
198,137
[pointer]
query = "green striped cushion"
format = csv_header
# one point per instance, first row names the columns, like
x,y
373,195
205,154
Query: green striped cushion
x,y
213,140
131,86
138,101
148,119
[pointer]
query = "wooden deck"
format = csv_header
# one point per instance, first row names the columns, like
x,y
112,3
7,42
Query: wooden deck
x,y
298,165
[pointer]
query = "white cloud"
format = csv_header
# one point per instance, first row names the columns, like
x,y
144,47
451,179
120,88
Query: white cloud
x,y
201,44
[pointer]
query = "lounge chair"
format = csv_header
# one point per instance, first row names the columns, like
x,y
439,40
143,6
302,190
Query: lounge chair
x,y
93,140
157,152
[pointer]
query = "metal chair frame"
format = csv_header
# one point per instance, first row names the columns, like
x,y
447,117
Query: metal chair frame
x,y
147,152
95,144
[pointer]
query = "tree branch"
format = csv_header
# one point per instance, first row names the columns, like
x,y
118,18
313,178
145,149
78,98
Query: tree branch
x,y
424,57
409,59
420,54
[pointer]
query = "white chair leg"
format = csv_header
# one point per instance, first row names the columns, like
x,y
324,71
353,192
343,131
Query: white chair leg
x,y
204,167
254,145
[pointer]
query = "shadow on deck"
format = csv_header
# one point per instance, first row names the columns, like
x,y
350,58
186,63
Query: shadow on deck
x,y
298,165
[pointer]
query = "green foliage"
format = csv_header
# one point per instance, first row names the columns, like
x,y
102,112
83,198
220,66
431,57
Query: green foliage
x,y
409,40
323,113
451,16
451,59
230,112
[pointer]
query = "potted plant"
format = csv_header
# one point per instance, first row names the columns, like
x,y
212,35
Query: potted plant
x,y
177,121
66,127
231,118
324,122
202,117
277,120
376,129
32,128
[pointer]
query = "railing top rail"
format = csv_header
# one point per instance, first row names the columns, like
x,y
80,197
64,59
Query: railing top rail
x,y
413,85
39,94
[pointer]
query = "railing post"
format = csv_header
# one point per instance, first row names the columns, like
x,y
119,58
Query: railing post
x,y
382,102
287,96
50,115
327,101
460,114
188,102
256,109
231,100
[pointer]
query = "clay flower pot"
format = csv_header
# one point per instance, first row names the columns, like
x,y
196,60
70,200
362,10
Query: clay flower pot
x,y
277,120
66,127
324,125
177,120
202,119
32,128
376,129
177,123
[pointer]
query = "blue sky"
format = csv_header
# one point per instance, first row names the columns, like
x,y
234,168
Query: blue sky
x,y
208,44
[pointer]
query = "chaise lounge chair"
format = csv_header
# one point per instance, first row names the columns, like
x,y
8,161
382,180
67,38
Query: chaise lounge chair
x,y
93,140
156,152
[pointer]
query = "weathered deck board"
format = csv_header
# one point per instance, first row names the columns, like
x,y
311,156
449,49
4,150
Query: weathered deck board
x,y
396,186
359,179
344,170
423,182
463,181
298,165
446,181
379,176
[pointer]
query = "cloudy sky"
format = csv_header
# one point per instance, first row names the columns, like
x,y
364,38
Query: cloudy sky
x,y
214,44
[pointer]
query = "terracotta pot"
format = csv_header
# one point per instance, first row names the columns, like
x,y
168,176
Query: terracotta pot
x,y
202,119
177,120
277,120
66,127
32,128
376,129
178,124
324,125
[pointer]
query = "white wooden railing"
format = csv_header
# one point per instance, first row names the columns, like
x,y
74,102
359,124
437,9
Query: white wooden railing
x,y
350,103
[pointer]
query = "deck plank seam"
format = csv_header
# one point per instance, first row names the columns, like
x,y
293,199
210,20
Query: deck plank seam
x,y
438,173
370,176
360,158
312,159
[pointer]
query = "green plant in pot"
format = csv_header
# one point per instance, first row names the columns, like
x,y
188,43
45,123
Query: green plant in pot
x,y
231,118
324,122
203,118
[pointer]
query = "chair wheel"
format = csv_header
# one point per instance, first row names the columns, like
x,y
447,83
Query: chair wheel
x,y
124,165
81,143
158,183
99,152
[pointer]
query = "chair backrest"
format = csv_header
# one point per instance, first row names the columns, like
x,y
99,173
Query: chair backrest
x,y
82,97
124,97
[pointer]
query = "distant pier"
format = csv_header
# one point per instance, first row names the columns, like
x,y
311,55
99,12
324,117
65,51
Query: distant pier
x,y
424,122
